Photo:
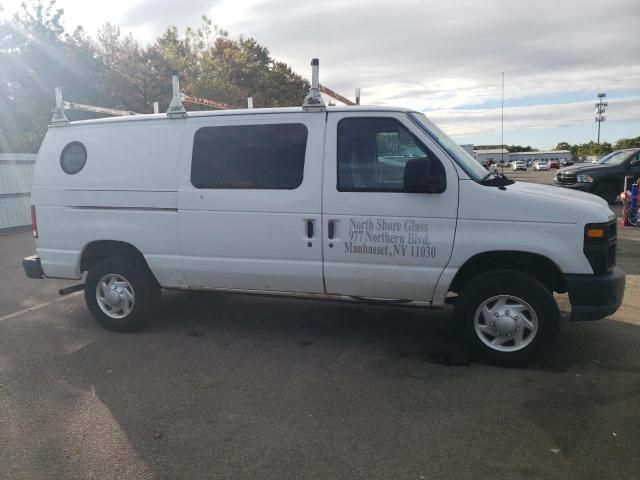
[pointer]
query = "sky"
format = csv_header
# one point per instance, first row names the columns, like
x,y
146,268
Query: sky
x,y
445,58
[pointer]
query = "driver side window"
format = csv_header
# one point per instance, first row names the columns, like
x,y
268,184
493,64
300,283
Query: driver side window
x,y
373,153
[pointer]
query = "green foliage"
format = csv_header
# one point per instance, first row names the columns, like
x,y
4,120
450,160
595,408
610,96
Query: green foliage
x,y
587,149
509,148
520,148
627,143
594,149
563,146
114,70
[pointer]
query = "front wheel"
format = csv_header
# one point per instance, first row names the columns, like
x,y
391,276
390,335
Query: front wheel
x,y
121,294
507,317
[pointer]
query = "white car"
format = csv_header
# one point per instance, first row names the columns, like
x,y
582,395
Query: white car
x,y
315,200
541,165
519,165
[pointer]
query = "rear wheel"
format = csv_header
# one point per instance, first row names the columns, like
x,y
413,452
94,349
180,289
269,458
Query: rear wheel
x,y
507,317
121,294
608,191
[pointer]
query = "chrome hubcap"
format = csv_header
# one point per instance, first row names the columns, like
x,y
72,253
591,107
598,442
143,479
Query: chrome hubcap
x,y
115,295
506,323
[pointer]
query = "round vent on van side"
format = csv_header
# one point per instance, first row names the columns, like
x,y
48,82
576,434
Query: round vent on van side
x,y
73,158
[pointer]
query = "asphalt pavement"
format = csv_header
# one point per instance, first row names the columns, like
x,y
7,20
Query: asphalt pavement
x,y
231,386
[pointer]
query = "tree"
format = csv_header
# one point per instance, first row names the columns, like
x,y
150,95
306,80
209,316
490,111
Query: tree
x,y
35,56
520,148
567,146
113,70
627,143
593,149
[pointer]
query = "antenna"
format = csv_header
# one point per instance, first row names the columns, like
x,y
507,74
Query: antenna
x,y
176,109
59,116
314,101
156,107
357,96
502,125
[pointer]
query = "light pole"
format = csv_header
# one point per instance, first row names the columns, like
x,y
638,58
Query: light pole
x,y
601,107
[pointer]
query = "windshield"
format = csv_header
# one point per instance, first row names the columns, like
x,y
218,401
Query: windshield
x,y
469,164
615,158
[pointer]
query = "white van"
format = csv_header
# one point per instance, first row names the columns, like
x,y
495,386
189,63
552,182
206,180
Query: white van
x,y
367,203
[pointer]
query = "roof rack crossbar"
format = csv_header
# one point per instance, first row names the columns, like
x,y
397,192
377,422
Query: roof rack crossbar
x,y
336,95
96,109
205,101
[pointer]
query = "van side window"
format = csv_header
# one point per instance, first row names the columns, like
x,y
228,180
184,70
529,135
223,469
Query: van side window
x,y
73,158
249,156
373,152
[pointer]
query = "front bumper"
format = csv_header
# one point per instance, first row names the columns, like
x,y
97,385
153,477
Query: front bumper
x,y
594,297
32,267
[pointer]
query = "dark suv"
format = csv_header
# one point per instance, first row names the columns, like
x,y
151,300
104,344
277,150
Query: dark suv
x,y
605,178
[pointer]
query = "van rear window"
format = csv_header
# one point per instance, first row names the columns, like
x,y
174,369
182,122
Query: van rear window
x,y
249,156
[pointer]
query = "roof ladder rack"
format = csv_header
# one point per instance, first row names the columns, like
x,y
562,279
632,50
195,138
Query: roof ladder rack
x,y
314,101
176,108
59,116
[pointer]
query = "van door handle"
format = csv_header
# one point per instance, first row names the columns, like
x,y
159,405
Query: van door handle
x,y
330,229
309,228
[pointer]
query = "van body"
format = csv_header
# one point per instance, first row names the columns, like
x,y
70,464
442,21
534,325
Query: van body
x,y
357,202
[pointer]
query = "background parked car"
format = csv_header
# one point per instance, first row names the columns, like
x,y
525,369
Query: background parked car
x,y
566,163
605,178
554,164
519,165
541,165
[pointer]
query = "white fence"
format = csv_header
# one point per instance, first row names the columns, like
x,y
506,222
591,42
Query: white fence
x,y
16,170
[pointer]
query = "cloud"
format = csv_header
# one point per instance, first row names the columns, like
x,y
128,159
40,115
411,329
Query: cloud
x,y
448,54
445,58
466,122
161,14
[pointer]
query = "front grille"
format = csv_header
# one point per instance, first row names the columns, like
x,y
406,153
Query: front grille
x,y
612,230
565,178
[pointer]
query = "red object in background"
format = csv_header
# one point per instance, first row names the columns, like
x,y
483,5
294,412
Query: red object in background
x,y
554,164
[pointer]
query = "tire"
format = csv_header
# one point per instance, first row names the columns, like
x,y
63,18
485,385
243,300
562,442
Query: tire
x,y
528,316
608,191
129,294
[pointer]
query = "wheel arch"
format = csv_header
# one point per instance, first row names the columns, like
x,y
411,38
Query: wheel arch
x,y
98,250
538,266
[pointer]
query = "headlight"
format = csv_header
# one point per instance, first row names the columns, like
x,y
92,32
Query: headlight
x,y
585,179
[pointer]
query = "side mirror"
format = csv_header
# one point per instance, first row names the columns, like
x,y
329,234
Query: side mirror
x,y
635,162
419,176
